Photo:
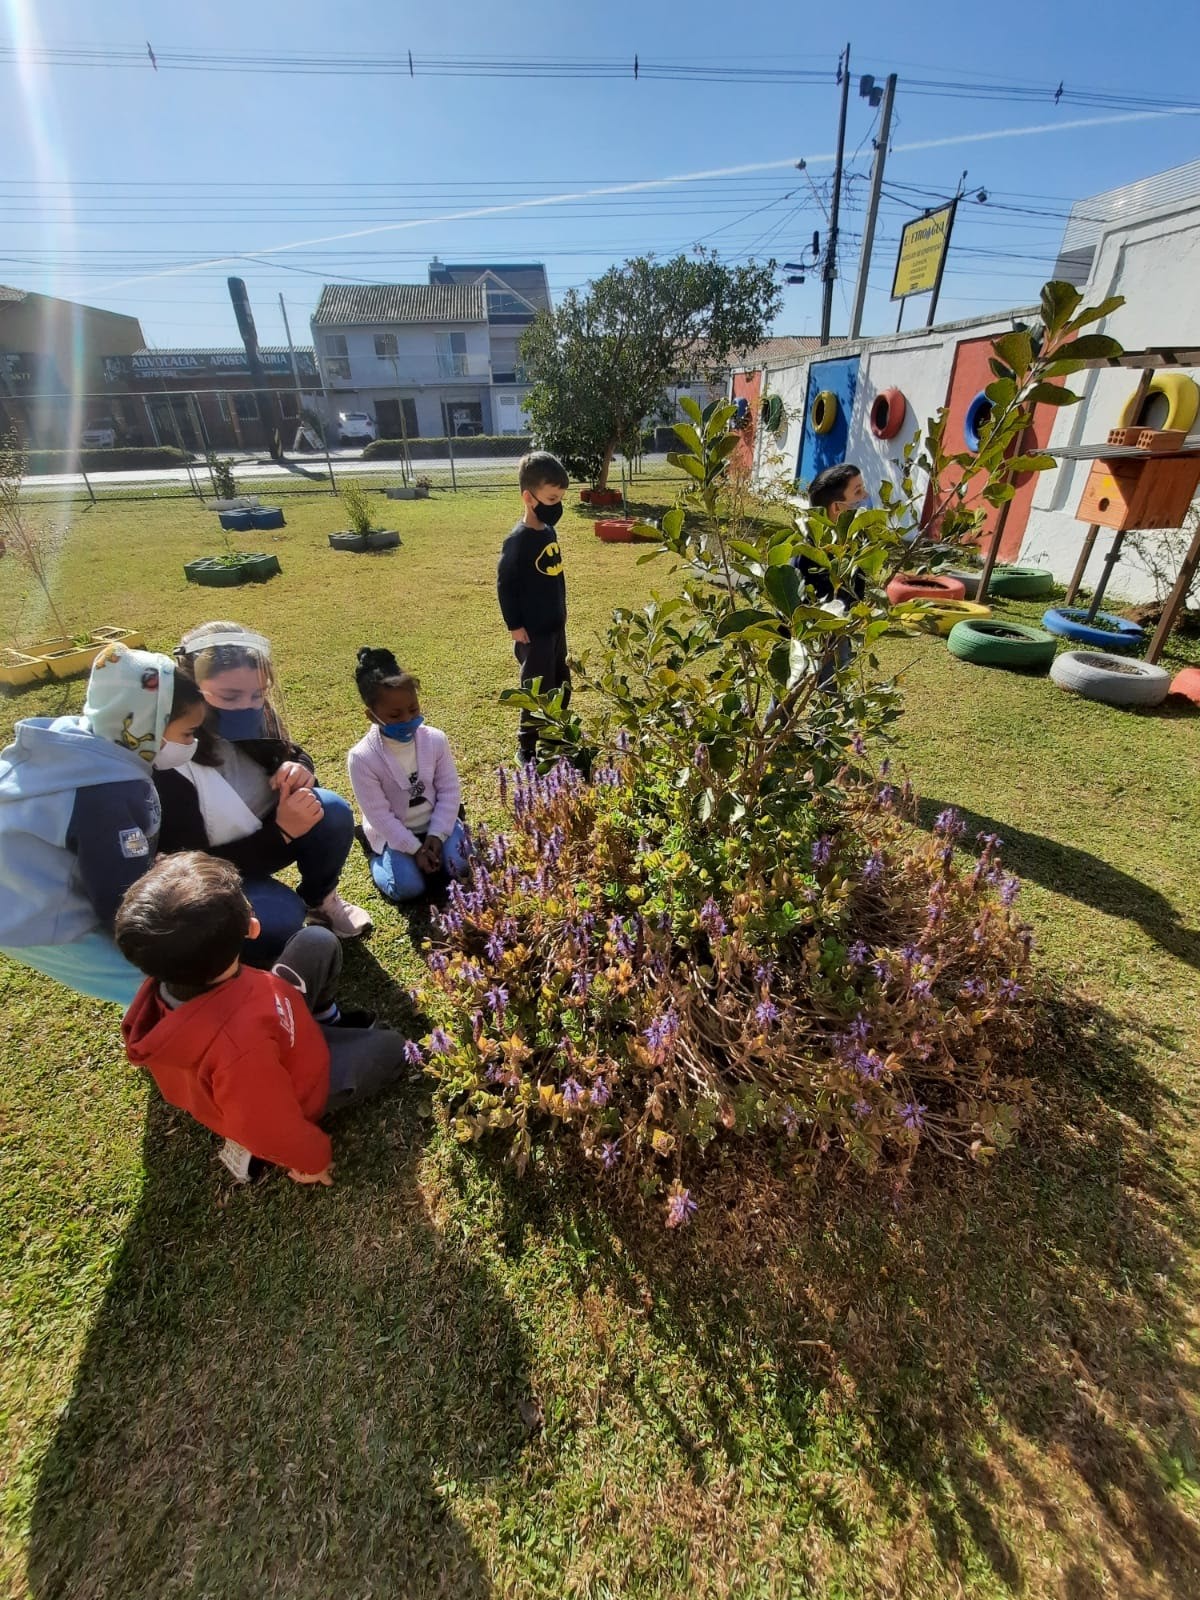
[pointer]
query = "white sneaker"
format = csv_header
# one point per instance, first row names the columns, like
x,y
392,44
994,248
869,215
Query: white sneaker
x,y
340,917
237,1158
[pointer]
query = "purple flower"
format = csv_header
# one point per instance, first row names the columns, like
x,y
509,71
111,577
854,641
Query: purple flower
x,y
497,999
412,1053
922,989
700,757
438,961
974,988
681,1208
572,1090
869,1064
882,969
862,1109
1009,890
822,851
885,766
580,984
912,1116
660,1035
600,1094
495,949
859,745
623,741
790,1119
766,1013
873,867
989,841
764,973
1009,989
609,1154
949,824
910,954
440,1042
886,797
472,972
711,919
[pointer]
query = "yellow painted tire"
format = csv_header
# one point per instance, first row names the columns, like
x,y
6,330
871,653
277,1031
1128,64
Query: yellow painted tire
x,y
824,412
944,614
1182,397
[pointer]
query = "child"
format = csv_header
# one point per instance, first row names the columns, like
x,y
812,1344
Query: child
x,y
230,1044
406,785
79,818
532,589
837,489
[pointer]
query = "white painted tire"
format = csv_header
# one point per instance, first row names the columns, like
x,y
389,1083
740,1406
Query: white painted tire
x,y
1114,679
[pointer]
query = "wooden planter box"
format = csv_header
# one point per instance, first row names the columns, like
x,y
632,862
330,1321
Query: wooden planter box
x,y
213,572
60,658
600,497
377,539
614,530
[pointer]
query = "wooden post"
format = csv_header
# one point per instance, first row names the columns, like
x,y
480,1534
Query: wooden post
x,y
986,577
1110,561
1081,564
1183,583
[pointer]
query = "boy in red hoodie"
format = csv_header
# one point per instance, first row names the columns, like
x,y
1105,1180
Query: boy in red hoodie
x,y
258,1057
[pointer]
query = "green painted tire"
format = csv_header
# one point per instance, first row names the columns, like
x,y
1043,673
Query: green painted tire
x,y
992,643
1020,583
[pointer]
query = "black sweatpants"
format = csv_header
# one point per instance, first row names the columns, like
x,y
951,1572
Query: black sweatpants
x,y
544,657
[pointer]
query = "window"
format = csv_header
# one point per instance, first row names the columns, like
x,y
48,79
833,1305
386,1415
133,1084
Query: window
x,y
338,369
503,303
385,344
246,405
335,346
452,355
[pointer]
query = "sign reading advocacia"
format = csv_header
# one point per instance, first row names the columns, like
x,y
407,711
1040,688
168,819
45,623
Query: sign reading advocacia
x,y
922,246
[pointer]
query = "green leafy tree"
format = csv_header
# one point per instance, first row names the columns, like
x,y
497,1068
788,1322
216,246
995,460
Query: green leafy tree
x,y
601,361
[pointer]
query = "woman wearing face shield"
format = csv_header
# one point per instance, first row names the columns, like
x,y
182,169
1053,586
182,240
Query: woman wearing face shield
x,y
246,792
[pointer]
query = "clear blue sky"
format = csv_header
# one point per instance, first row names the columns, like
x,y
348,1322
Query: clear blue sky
x,y
110,173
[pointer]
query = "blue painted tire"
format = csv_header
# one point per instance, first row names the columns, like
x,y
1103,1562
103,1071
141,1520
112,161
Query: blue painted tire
x,y
236,521
978,413
1067,622
267,517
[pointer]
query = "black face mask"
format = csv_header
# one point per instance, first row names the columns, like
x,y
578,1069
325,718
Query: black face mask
x,y
550,515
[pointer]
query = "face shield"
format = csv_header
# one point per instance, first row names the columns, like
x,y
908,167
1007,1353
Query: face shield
x,y
232,666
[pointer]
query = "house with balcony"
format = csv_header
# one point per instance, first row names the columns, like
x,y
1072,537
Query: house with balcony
x,y
515,292
415,356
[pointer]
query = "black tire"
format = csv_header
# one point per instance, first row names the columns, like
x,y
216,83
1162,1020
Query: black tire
x,y
1002,644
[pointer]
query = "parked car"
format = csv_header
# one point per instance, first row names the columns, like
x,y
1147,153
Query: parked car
x,y
356,427
99,435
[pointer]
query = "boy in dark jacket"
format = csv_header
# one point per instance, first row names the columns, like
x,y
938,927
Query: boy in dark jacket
x,y
258,1057
532,589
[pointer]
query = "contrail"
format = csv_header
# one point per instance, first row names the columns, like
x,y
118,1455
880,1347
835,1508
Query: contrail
x,y
634,188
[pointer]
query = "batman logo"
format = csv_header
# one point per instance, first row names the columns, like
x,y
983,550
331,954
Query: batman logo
x,y
549,561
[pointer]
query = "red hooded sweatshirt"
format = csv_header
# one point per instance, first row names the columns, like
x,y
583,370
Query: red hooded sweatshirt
x,y
245,1058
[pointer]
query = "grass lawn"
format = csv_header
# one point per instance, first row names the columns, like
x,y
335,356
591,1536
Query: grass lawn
x,y
428,1382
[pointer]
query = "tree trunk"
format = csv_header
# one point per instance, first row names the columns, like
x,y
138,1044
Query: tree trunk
x,y
610,450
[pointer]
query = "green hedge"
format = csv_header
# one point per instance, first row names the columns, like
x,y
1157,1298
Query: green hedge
x,y
127,459
481,444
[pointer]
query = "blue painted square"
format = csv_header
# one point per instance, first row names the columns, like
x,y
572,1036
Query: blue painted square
x,y
818,451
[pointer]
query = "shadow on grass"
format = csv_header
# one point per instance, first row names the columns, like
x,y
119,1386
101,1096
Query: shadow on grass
x,y
953,1379
1079,875
280,1388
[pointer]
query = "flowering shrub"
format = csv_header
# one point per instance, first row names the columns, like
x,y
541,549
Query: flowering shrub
x,y
592,998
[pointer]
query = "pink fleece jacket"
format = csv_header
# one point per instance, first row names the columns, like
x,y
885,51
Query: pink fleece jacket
x,y
382,793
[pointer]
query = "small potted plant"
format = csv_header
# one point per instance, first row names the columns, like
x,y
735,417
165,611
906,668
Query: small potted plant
x,y
361,535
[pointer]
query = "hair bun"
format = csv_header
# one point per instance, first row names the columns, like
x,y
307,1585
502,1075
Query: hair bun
x,y
372,660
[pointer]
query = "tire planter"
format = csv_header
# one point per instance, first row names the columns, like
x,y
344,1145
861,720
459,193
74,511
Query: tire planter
x,y
772,413
615,530
266,517
377,539
887,413
1068,622
212,572
236,521
978,413
1182,399
1186,684
968,576
1002,644
945,615
1111,680
823,415
929,586
600,497
1020,583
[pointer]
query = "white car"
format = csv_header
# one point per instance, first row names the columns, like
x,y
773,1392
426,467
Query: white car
x,y
99,435
356,427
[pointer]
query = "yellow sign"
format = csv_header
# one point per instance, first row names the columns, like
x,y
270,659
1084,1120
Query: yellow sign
x,y
922,246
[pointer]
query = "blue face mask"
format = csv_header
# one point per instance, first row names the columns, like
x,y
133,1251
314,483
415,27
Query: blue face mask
x,y
245,724
405,732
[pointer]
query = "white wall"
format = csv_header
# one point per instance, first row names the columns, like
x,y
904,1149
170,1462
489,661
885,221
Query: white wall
x,y
1155,264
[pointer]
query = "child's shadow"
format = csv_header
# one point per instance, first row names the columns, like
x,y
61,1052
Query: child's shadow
x,y
284,1388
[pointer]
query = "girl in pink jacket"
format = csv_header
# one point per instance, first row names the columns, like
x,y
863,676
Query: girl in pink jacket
x,y
406,785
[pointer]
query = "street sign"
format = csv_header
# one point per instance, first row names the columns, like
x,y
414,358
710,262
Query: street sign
x,y
923,246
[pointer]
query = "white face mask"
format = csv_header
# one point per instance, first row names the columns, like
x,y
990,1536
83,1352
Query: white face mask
x,y
174,755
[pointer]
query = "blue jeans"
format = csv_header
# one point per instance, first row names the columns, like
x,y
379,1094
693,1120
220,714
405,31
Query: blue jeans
x,y
92,965
398,877
320,855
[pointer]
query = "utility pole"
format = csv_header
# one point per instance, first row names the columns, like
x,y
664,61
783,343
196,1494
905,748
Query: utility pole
x,y
881,149
830,270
